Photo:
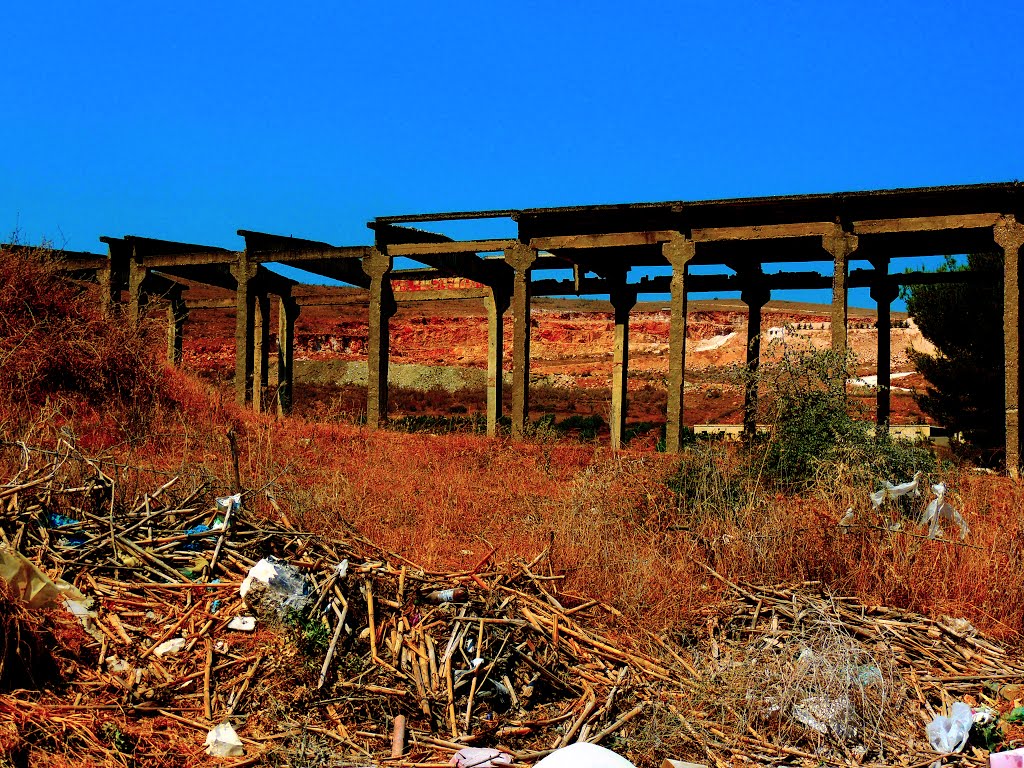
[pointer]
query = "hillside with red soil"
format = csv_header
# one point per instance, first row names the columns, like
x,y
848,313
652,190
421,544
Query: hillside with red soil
x,y
571,351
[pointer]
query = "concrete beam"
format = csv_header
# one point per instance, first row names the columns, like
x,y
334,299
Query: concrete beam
x,y
455,246
1008,234
611,240
925,223
762,231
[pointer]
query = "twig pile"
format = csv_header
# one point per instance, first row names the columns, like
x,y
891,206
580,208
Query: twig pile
x,y
490,656
365,658
823,678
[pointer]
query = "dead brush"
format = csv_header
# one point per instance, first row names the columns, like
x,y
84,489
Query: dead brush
x,y
26,646
814,683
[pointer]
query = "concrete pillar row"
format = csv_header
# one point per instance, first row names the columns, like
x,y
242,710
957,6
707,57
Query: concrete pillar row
x,y
884,294
623,299
377,266
1008,234
520,258
679,252
755,296
261,350
497,303
244,273
177,314
841,245
287,314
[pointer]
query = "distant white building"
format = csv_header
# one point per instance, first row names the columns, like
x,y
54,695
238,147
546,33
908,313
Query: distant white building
x,y
776,333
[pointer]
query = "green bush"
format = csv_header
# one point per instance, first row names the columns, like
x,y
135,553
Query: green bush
x,y
816,427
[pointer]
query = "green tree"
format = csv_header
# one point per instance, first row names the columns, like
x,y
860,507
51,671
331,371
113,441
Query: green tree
x,y
964,321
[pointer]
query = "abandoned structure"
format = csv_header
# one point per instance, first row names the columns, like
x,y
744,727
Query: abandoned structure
x,y
601,244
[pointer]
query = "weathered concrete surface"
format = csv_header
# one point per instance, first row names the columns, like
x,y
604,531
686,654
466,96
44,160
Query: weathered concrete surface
x,y
1009,235
520,258
377,266
679,252
841,245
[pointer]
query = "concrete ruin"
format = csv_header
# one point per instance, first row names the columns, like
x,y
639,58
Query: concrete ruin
x,y
601,244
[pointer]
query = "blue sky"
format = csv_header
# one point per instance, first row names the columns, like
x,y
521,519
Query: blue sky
x,y
189,121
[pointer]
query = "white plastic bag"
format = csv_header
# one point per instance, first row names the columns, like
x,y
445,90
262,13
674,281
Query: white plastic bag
x,y
940,511
584,755
287,588
949,734
222,741
890,491
480,757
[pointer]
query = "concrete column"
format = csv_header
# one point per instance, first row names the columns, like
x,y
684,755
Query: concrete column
x,y
840,244
136,297
287,314
884,293
177,314
623,300
520,257
110,294
678,252
497,303
261,351
755,296
244,273
382,308
1009,235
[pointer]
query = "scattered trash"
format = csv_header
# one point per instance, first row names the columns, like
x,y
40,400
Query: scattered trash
x,y
890,491
480,757
1013,758
510,657
941,511
1015,715
584,755
174,645
287,589
243,623
226,504
458,595
829,716
222,741
949,734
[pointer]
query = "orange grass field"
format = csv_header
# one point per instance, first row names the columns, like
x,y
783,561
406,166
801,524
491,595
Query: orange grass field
x,y
443,501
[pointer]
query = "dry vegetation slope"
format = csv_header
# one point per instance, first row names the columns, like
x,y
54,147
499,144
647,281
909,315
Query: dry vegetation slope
x,y
619,533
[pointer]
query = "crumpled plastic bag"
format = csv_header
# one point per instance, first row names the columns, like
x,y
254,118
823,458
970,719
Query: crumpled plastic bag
x,y
227,504
480,757
222,741
582,754
287,589
941,511
890,491
949,734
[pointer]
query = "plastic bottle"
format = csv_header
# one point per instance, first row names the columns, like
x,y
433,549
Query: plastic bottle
x,y
457,595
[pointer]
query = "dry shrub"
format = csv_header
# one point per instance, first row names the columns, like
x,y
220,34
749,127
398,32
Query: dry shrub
x,y
54,344
38,648
817,685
